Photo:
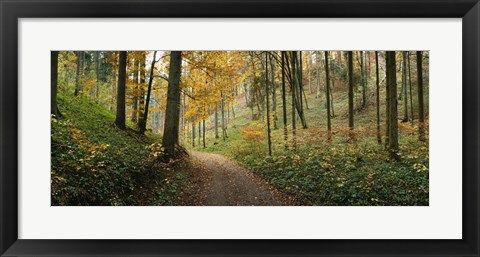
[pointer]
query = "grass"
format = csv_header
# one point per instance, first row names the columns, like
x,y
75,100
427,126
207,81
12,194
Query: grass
x,y
95,163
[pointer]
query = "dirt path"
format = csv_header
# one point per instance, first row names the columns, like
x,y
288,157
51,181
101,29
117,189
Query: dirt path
x,y
218,181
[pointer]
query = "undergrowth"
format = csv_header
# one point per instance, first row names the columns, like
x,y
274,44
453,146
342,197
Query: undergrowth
x,y
95,163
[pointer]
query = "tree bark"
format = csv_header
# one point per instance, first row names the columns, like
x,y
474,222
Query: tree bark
x,y
421,114
317,62
410,87
284,100
222,107
193,134
404,86
142,84
122,70
294,125
143,120
327,93
216,122
362,71
134,116
54,83
172,113
97,74
274,94
78,86
350,93
379,137
204,145
392,106
269,139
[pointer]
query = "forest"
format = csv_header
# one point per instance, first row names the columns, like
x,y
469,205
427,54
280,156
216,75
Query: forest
x,y
240,128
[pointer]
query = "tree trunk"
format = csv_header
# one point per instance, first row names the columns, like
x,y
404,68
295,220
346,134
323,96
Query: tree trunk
x,y
387,105
410,88
274,94
350,93
143,120
193,134
199,133
404,86
332,78
216,122
269,139
122,70
134,116
79,73
142,85
379,137
294,125
54,83
204,146
284,100
222,107
327,93
362,72
97,74
317,62
172,113
392,106
421,114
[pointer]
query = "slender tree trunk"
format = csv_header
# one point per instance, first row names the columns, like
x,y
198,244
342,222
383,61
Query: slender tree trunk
x,y
317,62
421,114
404,86
193,134
309,66
362,71
379,137
299,79
172,113
216,122
387,104
392,106
143,120
199,133
274,94
54,83
327,79
204,146
332,78
122,70
97,75
297,64
224,130
293,89
142,85
134,116
79,74
284,100
350,93
269,139
410,87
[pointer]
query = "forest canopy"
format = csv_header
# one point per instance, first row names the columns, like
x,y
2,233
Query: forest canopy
x,y
240,127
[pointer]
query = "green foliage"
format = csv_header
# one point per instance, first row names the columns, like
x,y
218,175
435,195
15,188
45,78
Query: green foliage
x,y
94,163
349,175
336,173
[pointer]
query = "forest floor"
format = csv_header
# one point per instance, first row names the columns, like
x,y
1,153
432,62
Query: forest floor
x,y
214,180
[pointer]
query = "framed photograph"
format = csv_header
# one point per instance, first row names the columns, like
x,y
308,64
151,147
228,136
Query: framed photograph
x,y
311,128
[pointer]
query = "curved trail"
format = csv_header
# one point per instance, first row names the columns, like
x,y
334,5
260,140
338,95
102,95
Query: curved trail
x,y
218,181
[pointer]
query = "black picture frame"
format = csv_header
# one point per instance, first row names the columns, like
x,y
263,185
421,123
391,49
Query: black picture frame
x,y
11,11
